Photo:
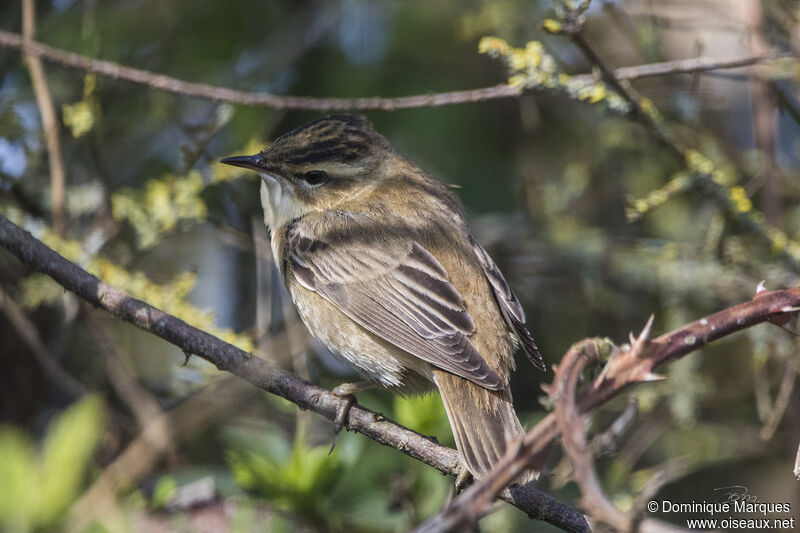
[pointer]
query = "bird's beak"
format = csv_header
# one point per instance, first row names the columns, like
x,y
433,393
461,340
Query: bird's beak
x,y
252,162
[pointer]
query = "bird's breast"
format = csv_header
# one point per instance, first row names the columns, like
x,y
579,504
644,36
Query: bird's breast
x,y
372,356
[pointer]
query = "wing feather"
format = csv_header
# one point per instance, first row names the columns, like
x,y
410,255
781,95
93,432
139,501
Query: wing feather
x,y
509,305
399,292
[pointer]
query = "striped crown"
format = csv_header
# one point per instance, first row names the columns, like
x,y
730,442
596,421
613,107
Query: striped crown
x,y
331,139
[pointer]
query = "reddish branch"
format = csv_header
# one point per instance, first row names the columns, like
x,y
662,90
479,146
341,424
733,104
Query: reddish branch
x,y
573,433
625,367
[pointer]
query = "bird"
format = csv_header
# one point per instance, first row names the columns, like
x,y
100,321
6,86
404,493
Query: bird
x,y
380,263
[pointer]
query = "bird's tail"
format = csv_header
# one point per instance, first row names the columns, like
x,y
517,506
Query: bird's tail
x,y
483,422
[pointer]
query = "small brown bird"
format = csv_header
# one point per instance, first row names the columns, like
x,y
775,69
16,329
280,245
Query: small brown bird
x,y
379,261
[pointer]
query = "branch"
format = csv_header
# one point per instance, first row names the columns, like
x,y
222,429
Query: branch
x,y
573,28
625,367
44,101
224,94
765,116
260,373
573,428
690,66
785,390
644,111
27,330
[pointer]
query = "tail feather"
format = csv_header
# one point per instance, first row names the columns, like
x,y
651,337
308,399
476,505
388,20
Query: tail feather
x,y
483,422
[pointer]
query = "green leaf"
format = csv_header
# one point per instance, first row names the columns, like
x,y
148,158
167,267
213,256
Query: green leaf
x,y
38,289
36,490
66,452
163,492
295,480
79,117
17,463
425,414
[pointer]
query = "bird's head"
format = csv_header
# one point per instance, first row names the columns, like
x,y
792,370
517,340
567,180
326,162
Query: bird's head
x,y
317,166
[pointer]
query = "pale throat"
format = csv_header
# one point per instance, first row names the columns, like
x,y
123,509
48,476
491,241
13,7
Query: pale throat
x,y
280,205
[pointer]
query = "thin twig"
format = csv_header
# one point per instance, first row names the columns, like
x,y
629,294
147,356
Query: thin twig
x,y
690,66
260,373
27,330
786,103
664,474
781,399
765,114
608,442
224,94
142,404
761,387
573,28
49,121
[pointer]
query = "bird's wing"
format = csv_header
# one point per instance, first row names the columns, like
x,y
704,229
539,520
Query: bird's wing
x,y
394,288
509,305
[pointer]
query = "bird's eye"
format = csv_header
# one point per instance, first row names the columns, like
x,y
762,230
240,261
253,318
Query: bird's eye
x,y
315,177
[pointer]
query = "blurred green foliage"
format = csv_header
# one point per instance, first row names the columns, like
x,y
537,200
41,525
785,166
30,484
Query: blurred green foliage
x,y
292,477
40,482
160,206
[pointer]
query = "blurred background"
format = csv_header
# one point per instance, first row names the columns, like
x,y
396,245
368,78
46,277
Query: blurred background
x,y
104,426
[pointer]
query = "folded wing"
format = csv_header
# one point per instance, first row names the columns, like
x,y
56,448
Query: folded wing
x,y
398,291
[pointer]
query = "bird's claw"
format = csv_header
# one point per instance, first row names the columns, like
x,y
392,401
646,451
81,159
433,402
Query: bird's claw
x,y
346,401
346,394
463,479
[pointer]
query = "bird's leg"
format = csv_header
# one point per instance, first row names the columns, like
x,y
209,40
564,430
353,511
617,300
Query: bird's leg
x,y
464,478
346,393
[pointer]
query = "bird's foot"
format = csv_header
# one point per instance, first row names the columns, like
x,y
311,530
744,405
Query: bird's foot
x,y
464,478
346,393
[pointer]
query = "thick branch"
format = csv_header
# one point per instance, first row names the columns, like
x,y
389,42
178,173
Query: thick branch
x,y
259,372
224,94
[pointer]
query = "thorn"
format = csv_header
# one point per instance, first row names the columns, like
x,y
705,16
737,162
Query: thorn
x,y
761,287
637,345
645,334
186,357
790,309
650,376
